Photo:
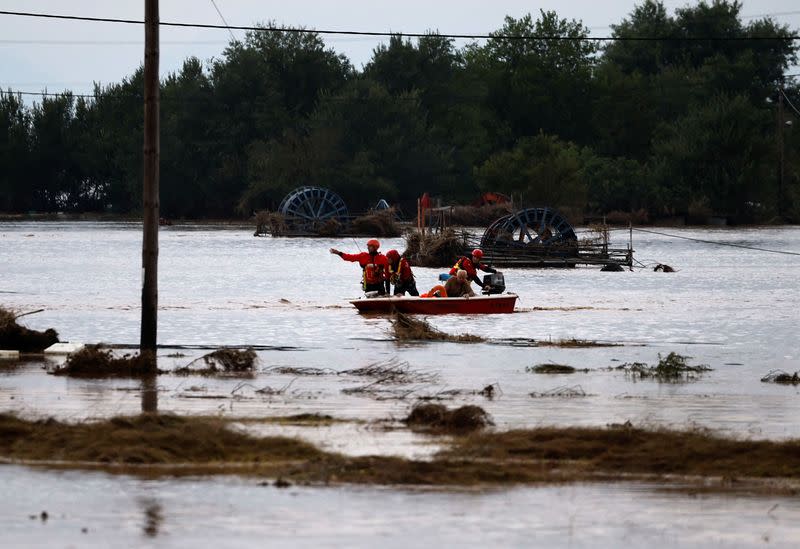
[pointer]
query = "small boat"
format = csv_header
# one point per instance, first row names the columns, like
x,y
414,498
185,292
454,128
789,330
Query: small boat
x,y
478,305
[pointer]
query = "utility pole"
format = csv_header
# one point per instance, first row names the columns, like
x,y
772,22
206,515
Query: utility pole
x,y
151,150
780,152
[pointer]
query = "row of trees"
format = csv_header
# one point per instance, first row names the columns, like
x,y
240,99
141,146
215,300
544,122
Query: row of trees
x,y
684,124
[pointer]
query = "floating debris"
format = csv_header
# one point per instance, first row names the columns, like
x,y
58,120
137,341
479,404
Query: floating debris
x,y
779,376
561,392
392,371
574,343
92,362
18,338
225,361
663,268
435,249
670,369
408,328
553,369
438,418
379,223
300,371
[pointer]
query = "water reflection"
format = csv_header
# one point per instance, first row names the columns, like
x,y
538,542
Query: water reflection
x,y
153,516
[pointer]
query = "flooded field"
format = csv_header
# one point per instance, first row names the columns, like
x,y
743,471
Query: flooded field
x,y
731,308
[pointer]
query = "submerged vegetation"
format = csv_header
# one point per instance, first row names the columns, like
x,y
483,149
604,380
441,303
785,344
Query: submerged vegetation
x,y
671,368
226,361
407,328
438,419
154,445
552,369
781,377
93,362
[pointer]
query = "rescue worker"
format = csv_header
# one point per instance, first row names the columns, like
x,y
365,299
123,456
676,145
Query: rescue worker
x,y
471,265
400,274
374,265
459,285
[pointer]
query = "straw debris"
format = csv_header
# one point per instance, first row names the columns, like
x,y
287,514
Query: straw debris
x,y
379,223
226,361
574,391
574,343
93,362
784,378
435,249
143,439
410,329
165,445
553,369
670,369
18,338
437,418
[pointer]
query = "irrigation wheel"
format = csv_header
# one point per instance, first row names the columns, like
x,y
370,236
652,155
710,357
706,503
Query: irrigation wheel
x,y
530,229
310,209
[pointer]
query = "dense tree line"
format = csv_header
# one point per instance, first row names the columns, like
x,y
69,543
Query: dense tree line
x,y
685,125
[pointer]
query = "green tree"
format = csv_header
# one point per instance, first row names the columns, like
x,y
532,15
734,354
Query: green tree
x,y
539,171
539,83
716,155
14,154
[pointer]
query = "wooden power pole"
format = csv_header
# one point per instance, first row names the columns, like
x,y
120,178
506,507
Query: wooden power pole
x,y
781,123
147,342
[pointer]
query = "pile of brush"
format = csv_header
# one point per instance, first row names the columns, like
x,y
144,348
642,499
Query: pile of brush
x,y
378,223
93,362
18,338
440,249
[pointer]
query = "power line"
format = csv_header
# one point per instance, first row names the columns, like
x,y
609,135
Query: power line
x,y
789,101
223,20
716,243
790,37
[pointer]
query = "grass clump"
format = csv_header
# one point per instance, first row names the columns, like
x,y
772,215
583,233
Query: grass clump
x,y
439,249
407,328
18,338
672,368
225,361
437,418
378,223
143,439
93,362
551,369
781,377
574,343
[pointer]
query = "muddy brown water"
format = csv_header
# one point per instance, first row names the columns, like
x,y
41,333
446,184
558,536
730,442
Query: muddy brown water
x,y
730,308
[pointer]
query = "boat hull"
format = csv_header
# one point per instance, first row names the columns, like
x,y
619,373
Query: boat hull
x,y
478,305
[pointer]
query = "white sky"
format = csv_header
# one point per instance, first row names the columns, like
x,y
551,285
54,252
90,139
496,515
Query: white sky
x,y
38,54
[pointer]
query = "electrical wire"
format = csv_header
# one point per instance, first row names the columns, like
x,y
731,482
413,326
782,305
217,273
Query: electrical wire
x,y
224,21
716,243
789,37
789,101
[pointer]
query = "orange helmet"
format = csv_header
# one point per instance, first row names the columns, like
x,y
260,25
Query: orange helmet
x,y
392,255
373,242
477,252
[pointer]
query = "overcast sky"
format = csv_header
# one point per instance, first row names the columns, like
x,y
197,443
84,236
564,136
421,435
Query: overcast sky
x,y
38,54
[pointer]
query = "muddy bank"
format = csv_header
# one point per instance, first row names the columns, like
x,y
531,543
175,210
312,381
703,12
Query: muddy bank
x,y
163,445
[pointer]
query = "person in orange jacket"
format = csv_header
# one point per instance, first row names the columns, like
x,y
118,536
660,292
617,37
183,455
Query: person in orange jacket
x,y
400,274
471,265
374,265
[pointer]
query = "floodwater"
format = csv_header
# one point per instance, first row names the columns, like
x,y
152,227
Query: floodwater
x,y
730,307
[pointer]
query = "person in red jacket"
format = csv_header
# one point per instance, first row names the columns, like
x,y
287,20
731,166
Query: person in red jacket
x,y
374,265
400,274
471,265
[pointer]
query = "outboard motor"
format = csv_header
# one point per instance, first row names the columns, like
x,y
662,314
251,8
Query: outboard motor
x,y
496,283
